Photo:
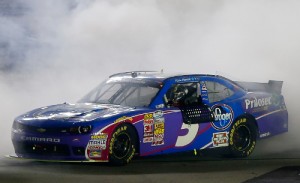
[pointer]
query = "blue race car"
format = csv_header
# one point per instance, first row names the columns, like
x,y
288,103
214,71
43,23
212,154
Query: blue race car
x,y
144,113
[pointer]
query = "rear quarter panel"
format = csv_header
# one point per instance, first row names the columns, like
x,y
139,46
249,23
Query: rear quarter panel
x,y
269,110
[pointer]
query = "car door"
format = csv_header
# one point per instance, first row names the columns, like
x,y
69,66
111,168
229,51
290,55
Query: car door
x,y
196,116
216,93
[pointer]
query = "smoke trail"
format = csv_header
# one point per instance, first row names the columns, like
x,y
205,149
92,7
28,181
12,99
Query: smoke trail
x,y
55,51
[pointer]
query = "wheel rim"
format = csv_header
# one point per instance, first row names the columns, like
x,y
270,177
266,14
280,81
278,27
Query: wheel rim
x,y
242,138
121,145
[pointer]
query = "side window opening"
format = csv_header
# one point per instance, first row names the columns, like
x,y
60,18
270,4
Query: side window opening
x,y
217,92
188,99
185,94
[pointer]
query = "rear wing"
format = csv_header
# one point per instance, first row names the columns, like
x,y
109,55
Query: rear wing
x,y
272,86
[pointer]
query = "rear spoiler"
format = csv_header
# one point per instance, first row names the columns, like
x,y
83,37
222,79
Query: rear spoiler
x,y
275,86
272,86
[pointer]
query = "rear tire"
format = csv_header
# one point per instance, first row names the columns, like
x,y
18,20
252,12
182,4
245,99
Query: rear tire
x,y
122,146
242,138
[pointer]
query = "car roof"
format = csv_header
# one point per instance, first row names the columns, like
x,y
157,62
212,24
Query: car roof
x,y
155,75
160,77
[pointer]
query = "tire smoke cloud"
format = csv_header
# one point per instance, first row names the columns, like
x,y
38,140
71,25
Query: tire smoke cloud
x,y
56,51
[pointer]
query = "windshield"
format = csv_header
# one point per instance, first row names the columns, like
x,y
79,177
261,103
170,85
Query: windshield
x,y
130,93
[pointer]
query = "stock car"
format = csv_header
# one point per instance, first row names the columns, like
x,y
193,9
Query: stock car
x,y
143,113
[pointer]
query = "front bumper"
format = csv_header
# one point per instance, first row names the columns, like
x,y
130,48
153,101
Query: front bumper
x,y
51,147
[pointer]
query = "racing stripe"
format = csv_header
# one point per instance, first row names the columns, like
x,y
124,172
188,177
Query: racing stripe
x,y
137,121
207,145
264,115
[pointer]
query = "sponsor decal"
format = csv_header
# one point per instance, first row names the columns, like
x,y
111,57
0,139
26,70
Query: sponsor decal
x,y
96,144
159,120
223,116
159,106
159,132
123,119
158,114
255,103
99,136
158,140
220,139
159,128
147,139
204,93
154,128
39,139
148,127
265,135
95,154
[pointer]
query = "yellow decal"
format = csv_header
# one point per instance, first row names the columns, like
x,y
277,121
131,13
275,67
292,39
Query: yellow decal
x,y
132,154
122,119
100,136
251,149
237,123
148,116
123,128
159,128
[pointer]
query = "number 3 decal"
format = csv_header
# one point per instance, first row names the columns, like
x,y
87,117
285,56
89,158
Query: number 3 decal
x,y
189,137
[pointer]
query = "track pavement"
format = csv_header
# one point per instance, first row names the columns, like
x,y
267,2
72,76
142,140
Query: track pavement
x,y
266,164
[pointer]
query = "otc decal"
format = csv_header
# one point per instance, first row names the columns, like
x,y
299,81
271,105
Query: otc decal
x,y
223,116
96,144
220,139
154,128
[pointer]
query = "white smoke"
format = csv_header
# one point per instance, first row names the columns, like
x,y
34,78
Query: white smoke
x,y
55,51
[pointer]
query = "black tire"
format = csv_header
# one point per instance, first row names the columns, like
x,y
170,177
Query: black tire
x,y
242,138
122,146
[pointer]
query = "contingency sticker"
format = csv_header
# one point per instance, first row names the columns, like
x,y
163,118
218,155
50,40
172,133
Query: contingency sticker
x,y
154,128
220,139
148,125
159,128
123,119
96,144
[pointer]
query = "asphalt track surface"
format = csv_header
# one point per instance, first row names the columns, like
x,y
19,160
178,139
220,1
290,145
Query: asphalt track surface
x,y
261,168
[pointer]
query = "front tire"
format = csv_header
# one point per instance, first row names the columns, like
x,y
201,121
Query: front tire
x,y
242,138
122,145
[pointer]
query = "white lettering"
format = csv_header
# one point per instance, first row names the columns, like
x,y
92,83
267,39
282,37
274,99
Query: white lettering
x,y
253,103
219,116
37,139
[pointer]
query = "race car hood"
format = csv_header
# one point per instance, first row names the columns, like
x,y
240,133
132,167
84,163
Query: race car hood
x,y
75,112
